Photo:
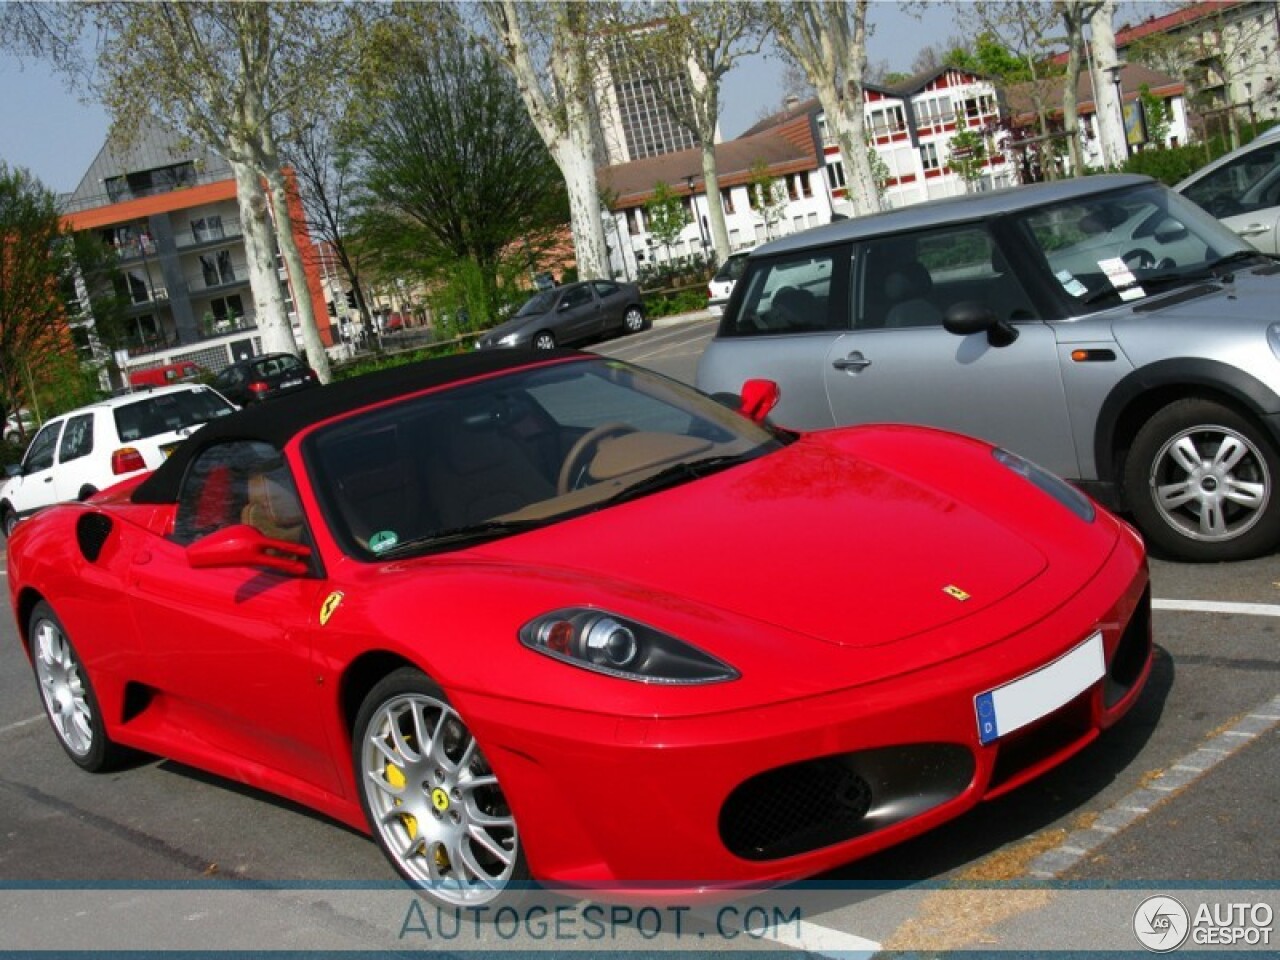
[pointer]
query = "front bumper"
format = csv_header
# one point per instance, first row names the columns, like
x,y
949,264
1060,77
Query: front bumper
x,y
643,803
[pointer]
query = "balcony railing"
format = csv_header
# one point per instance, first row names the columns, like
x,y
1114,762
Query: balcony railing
x,y
230,230
216,173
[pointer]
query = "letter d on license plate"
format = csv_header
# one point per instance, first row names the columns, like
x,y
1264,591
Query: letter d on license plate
x,y
1039,693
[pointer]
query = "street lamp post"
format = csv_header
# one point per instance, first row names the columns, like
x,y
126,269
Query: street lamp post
x,y
693,208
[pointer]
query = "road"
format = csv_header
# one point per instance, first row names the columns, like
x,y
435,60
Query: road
x,y
1180,797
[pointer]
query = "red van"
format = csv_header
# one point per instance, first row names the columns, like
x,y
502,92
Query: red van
x,y
170,373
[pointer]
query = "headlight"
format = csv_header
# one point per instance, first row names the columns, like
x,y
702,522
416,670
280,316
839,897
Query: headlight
x,y
613,645
1054,486
510,340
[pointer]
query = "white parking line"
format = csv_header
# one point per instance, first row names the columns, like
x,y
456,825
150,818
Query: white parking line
x,y
20,724
1214,606
812,938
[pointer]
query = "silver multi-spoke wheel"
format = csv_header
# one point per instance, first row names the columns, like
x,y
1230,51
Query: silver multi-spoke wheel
x,y
633,320
1210,483
434,802
63,688
1199,478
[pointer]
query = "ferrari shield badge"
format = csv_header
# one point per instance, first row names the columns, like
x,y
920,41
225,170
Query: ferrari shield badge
x,y
331,603
955,593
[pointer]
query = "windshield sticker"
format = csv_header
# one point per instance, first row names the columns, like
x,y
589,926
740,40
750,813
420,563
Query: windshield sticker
x,y
1071,284
383,540
1122,278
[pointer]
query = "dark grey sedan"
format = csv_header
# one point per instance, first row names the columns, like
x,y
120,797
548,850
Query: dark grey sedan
x,y
573,313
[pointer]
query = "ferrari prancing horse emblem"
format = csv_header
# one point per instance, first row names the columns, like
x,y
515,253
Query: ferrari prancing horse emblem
x,y
951,590
331,603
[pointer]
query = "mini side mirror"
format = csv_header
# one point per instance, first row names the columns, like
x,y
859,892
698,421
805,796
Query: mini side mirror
x,y
969,317
241,545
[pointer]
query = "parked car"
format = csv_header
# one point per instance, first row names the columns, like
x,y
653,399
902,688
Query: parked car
x,y
1104,327
574,313
77,454
535,614
19,425
263,377
721,285
184,371
1242,189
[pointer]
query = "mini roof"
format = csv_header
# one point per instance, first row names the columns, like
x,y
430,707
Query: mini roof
x,y
278,421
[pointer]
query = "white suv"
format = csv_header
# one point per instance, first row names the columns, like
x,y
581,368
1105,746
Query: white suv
x,y
75,455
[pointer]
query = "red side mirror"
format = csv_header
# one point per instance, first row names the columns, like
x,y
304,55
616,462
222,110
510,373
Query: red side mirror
x,y
241,545
759,397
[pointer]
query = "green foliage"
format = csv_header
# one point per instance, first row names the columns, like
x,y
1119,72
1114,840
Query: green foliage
x,y
387,360
674,273
1156,115
681,301
454,171
991,58
768,195
665,214
968,155
1172,164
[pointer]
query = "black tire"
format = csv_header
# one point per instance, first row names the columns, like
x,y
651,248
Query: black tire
x,y
68,696
86,492
544,340
633,320
1218,473
8,521
437,789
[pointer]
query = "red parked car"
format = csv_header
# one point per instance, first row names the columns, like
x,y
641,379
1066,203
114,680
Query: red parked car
x,y
551,615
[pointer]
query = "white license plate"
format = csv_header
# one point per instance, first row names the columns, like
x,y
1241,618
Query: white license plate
x,y
1025,700
290,383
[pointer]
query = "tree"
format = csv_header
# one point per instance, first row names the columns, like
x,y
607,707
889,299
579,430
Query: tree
x,y
32,315
665,214
700,42
829,41
1108,108
1075,14
968,156
768,196
453,170
1155,114
556,90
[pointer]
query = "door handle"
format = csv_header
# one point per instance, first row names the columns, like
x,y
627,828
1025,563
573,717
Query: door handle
x,y
854,361
1253,229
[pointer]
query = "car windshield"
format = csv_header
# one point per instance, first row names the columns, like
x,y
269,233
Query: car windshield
x,y
541,303
492,458
1126,245
166,412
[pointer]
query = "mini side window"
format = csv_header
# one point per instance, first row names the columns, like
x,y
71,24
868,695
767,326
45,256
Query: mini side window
x,y
793,293
40,453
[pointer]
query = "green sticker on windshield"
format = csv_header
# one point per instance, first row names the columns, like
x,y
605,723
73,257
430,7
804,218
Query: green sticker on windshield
x,y
383,540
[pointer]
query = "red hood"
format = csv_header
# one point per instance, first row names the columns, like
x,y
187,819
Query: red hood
x,y
811,538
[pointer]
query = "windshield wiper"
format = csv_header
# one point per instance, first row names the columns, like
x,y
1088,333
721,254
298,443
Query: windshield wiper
x,y
677,474
455,536
1238,257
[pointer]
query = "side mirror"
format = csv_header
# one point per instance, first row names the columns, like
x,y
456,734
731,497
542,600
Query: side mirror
x,y
13,469
241,545
759,397
1170,230
968,317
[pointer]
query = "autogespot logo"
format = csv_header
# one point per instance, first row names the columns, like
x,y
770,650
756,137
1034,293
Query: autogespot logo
x,y
1161,924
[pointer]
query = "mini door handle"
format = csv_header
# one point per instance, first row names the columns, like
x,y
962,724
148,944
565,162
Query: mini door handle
x,y
1253,229
854,361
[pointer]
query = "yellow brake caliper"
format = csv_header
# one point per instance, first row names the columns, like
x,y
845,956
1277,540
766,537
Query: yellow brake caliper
x,y
395,777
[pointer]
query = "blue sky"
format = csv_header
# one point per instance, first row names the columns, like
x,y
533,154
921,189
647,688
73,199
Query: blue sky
x,y
44,128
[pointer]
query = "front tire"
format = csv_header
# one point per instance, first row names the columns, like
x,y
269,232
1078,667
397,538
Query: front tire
x,y
9,521
544,340
633,320
67,694
1200,479
433,803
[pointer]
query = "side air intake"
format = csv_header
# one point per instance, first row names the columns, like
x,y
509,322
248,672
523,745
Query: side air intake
x,y
92,531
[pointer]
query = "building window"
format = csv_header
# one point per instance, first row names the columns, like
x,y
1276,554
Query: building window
x,y
226,310
726,200
206,228
835,175
793,190
806,185
929,156
635,222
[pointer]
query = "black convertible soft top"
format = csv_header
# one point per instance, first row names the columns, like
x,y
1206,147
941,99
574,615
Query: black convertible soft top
x,y
277,421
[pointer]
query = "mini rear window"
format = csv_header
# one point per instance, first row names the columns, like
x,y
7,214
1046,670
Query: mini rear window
x,y
166,412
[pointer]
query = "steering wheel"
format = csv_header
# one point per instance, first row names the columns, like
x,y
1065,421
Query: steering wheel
x,y
1139,258
575,464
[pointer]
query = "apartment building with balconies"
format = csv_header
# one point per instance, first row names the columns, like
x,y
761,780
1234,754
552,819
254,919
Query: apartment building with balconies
x,y
170,214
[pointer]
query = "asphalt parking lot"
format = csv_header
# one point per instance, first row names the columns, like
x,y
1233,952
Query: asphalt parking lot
x,y
1179,799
